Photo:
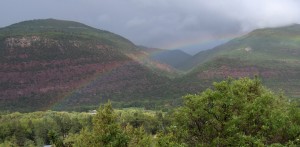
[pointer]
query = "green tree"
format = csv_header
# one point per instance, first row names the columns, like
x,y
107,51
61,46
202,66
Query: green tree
x,y
168,140
237,113
138,137
106,131
85,138
64,122
55,139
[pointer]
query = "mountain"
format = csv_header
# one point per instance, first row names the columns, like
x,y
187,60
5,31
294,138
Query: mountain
x,y
273,54
56,64
174,58
66,65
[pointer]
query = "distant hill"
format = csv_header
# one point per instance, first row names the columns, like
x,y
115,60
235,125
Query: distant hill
x,y
56,64
272,53
174,58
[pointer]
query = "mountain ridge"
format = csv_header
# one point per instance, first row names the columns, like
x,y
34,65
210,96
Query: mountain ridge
x,y
76,68
202,56
40,66
271,53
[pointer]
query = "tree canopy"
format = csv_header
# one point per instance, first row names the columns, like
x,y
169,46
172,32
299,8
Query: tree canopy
x,y
237,113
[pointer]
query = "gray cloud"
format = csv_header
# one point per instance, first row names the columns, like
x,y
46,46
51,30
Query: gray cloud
x,y
159,23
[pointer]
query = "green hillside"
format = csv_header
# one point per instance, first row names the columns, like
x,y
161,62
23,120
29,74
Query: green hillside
x,y
273,54
281,44
56,64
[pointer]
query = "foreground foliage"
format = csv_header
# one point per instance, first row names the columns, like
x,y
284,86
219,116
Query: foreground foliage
x,y
238,113
39,128
234,113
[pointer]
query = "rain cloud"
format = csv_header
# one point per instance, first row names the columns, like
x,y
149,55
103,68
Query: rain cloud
x,y
161,23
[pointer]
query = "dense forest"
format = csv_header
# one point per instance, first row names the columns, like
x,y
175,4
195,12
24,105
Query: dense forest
x,y
233,113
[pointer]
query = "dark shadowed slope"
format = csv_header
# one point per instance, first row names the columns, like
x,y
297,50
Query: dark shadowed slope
x,y
173,58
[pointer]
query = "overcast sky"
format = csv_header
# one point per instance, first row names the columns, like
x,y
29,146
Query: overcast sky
x,y
168,24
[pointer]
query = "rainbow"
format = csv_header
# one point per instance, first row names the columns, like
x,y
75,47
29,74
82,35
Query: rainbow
x,y
140,57
84,84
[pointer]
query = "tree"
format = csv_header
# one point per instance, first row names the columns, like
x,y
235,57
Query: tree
x,y
168,140
55,139
106,131
237,113
138,137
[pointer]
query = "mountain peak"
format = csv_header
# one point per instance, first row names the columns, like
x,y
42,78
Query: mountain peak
x,y
49,23
57,57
